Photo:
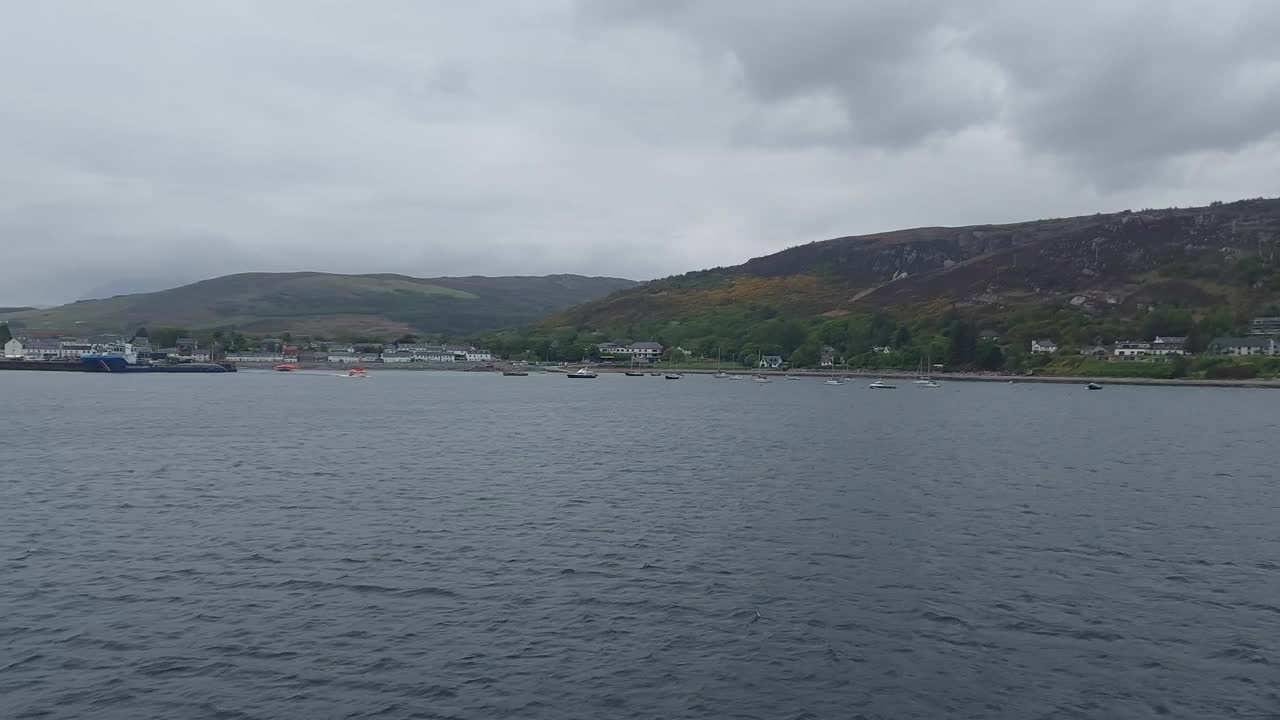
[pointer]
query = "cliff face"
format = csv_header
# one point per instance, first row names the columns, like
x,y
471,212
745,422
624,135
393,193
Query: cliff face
x,y
1113,263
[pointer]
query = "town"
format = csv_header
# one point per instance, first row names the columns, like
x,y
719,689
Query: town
x,y
268,351
1262,340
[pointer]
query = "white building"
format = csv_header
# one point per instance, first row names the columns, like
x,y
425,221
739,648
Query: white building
x,y
646,351
474,355
1264,326
436,356
13,349
257,357
76,348
398,356
1043,346
41,349
771,361
1245,346
343,356
1169,345
1132,348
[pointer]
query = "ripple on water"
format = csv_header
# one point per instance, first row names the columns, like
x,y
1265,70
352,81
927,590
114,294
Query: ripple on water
x,y
458,546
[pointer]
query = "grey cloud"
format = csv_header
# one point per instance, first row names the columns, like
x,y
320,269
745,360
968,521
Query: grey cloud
x,y
149,139
1114,88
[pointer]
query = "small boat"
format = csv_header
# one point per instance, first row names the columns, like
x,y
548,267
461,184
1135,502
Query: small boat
x,y
515,373
882,385
633,373
791,377
759,379
1094,386
357,372
835,381
583,374
721,375
285,367
929,383
673,376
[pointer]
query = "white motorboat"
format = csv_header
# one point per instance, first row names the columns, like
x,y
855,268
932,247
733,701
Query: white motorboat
x,y
882,385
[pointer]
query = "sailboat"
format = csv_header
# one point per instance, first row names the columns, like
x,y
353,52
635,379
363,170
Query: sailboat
x,y
922,377
720,373
632,371
835,381
671,374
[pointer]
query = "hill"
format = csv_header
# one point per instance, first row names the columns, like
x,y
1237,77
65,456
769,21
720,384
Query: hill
x,y
328,304
1076,279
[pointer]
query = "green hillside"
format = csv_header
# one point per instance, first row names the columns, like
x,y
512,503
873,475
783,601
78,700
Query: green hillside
x,y
1193,271
328,304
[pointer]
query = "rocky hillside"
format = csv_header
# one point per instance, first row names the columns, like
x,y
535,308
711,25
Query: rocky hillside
x,y
327,304
1114,265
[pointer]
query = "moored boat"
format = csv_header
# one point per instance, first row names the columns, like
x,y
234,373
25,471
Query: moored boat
x,y
582,374
285,367
882,385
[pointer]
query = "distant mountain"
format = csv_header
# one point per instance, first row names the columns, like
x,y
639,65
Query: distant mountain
x,y
1073,275
329,304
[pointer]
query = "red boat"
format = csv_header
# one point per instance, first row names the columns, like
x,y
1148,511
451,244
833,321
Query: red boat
x,y
357,372
285,367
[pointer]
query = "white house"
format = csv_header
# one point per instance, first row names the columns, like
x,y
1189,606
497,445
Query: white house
x,y
771,361
474,355
341,356
436,356
398,356
1043,346
13,348
1132,348
1169,345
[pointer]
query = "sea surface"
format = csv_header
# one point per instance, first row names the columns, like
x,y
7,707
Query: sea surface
x,y
454,545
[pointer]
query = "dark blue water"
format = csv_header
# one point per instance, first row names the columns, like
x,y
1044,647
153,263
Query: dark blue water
x,y
445,545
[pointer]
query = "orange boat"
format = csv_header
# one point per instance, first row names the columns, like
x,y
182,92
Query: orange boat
x,y
285,367
357,372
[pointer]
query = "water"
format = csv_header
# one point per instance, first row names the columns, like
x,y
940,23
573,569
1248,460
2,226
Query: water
x,y
446,545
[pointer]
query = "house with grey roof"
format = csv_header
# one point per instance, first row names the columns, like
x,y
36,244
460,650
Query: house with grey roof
x,y
1244,346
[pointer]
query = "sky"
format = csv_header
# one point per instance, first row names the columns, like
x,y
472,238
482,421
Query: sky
x,y
150,143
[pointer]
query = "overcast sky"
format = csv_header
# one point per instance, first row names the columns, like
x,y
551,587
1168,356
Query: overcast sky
x,y
148,143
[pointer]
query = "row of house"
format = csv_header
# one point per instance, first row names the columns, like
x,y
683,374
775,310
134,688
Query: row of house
x,y
641,351
22,348
342,353
1162,347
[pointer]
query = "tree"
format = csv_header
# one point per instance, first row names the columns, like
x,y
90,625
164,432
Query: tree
x,y
990,356
807,355
5,335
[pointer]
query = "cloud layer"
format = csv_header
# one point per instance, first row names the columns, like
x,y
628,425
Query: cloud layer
x,y
160,143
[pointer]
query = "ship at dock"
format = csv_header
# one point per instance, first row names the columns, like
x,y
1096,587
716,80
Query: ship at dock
x,y
124,363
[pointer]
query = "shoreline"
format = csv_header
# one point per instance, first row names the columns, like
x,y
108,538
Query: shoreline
x,y
1257,383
